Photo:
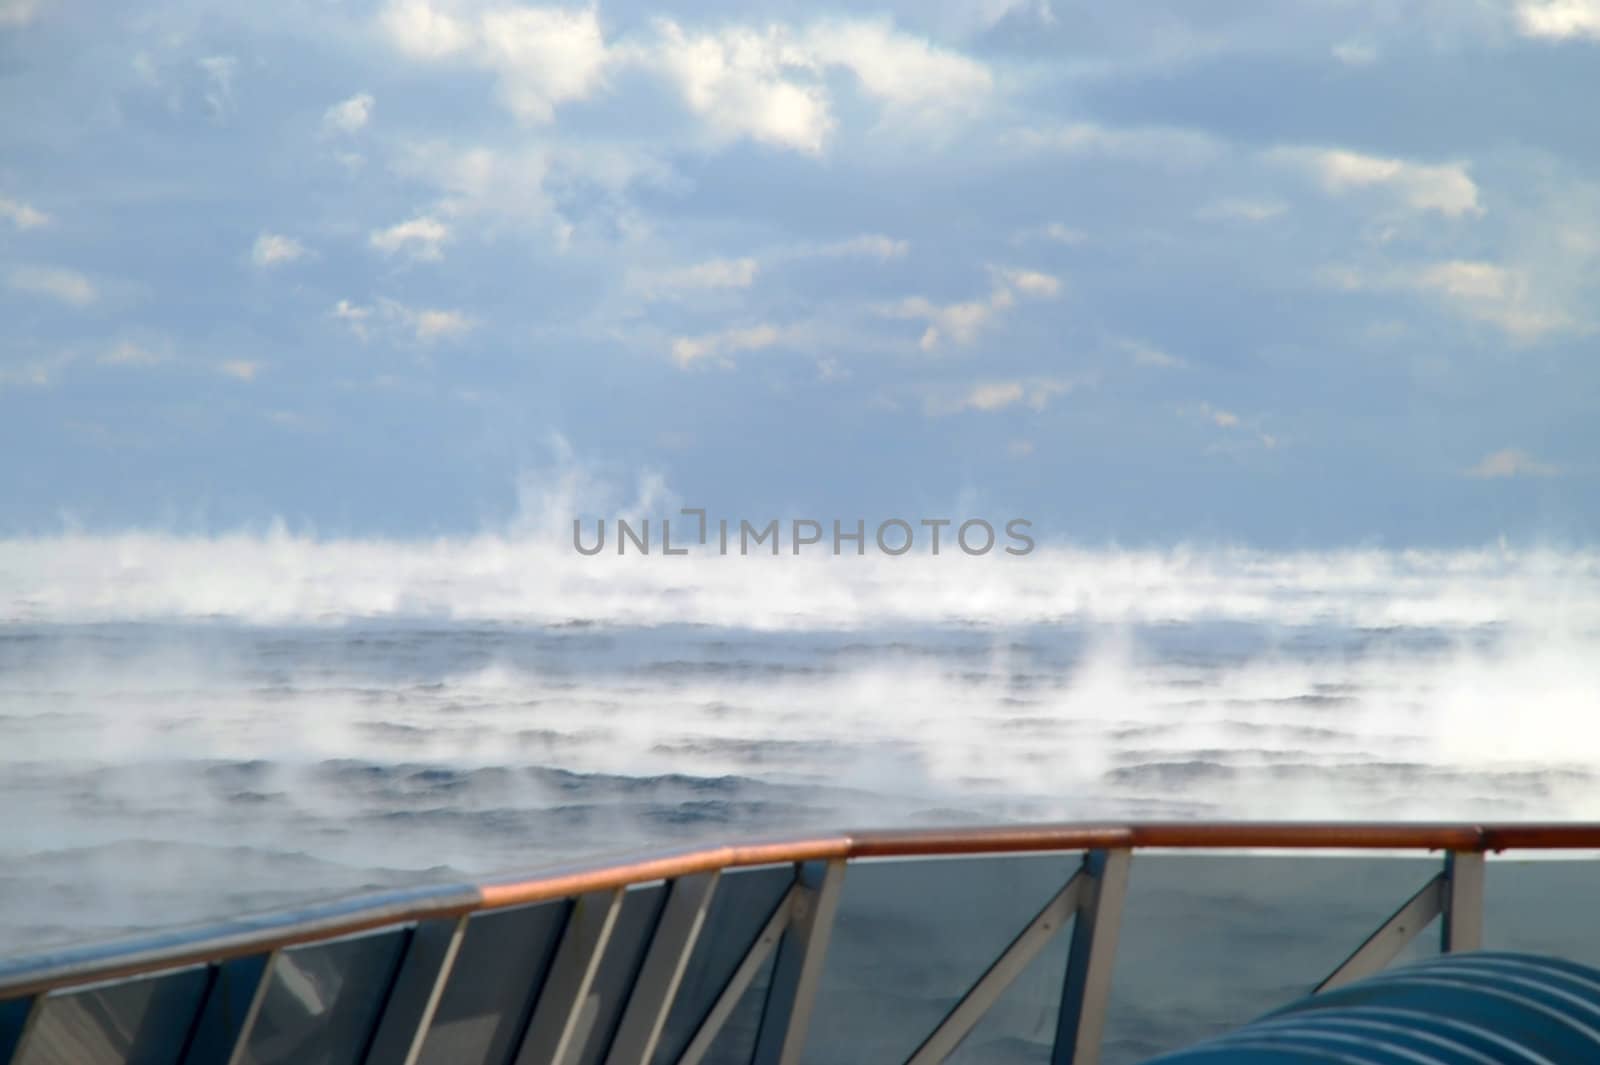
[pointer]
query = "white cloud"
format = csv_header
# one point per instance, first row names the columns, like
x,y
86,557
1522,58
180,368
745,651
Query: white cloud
x,y
127,353
960,323
767,84
422,31
1148,355
744,83
770,85
36,372
1032,283
712,274
22,215
686,351
1019,449
421,237
436,324
541,56
1559,19
65,286
1511,463
742,272
274,249
544,56
240,369
1051,231
1445,188
1495,294
1355,53
348,116
868,245
18,12
425,325
992,396
1241,210
1222,419
1143,144
1499,295
904,71
219,71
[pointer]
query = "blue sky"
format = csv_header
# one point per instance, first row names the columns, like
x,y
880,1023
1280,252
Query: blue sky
x,y
1293,275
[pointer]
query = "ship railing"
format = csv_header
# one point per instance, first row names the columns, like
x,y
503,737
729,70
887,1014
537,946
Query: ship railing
x,y
217,979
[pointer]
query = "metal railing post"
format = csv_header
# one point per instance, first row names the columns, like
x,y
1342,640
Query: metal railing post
x,y
1462,928
797,970
1087,987
650,1000
425,968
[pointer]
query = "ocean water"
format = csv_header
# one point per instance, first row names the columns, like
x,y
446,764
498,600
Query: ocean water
x,y
191,727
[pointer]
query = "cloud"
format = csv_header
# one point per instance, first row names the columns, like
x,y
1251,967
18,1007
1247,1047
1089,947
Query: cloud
x,y
908,73
1051,231
1559,19
1241,210
1355,53
22,215
544,56
429,325
745,83
1223,419
1511,463
687,351
541,56
422,31
273,249
1144,144
1494,294
1444,188
742,272
16,13
348,116
127,353
1019,449
1502,296
425,325
768,84
36,373
219,71
1148,355
711,274
1032,283
240,369
960,323
991,396
65,286
868,245
421,237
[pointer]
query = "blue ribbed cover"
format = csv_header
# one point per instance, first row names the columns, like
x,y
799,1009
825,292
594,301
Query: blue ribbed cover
x,y
1456,1009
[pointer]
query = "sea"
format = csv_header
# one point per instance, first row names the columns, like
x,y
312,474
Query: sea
x,y
196,726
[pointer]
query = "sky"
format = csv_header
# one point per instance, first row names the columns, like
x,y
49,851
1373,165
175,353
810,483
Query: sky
x,y
1242,272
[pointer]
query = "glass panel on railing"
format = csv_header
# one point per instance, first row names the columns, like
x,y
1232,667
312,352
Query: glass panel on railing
x,y
498,972
1210,942
322,1001
13,1016
635,924
740,907
232,987
1543,905
1020,1028
912,937
138,1022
